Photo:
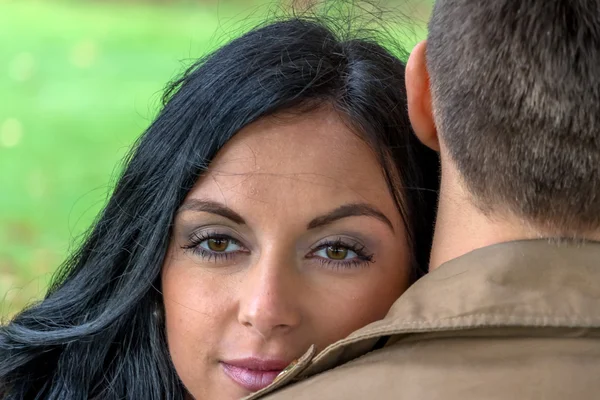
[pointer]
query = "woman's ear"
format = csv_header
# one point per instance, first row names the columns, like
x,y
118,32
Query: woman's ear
x,y
419,97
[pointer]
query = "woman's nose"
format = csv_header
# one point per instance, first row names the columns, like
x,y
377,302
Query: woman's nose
x,y
269,302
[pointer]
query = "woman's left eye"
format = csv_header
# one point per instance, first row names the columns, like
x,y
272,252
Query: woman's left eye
x,y
336,253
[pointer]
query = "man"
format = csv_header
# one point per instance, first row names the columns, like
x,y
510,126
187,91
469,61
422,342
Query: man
x,y
508,91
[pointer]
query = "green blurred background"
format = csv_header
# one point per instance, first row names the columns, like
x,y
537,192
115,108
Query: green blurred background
x,y
79,81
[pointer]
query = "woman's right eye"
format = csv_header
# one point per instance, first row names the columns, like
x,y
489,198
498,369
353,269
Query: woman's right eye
x,y
220,245
214,247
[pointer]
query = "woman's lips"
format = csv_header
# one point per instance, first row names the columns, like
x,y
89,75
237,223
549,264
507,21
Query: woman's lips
x,y
253,374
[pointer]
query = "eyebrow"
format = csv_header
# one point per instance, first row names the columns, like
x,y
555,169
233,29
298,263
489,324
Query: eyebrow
x,y
213,208
345,211
349,210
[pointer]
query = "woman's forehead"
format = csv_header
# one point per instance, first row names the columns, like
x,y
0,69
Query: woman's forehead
x,y
316,142
309,163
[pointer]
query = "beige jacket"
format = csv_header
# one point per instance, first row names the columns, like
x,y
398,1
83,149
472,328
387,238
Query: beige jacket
x,y
518,320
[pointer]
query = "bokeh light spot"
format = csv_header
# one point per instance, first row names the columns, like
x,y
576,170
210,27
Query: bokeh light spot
x,y
84,54
11,133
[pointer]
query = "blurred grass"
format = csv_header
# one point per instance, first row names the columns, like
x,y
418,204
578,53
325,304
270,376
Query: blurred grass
x,y
79,81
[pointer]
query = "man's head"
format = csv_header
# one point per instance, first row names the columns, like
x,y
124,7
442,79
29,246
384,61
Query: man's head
x,y
512,87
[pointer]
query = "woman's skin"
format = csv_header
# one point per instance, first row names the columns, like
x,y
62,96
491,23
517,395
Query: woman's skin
x,y
291,238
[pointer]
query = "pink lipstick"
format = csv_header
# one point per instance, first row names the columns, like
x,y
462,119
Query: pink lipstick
x,y
253,374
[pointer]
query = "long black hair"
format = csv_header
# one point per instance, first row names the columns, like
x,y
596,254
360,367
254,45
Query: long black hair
x,y
98,333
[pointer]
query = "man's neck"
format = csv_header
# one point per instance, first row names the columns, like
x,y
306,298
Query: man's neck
x,y
462,227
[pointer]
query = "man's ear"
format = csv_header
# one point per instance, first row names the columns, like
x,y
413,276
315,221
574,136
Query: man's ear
x,y
419,98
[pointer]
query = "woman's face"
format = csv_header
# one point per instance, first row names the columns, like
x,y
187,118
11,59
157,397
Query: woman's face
x,y
291,238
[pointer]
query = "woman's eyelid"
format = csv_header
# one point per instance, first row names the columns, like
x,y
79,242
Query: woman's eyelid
x,y
219,232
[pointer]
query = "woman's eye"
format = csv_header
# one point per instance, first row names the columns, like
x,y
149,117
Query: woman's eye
x,y
220,245
337,253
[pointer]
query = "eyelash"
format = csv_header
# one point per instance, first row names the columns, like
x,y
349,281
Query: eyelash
x,y
361,260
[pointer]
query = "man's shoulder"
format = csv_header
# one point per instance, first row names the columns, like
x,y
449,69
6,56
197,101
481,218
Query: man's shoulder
x,y
469,309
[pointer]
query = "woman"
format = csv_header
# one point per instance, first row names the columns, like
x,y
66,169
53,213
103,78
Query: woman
x,y
278,201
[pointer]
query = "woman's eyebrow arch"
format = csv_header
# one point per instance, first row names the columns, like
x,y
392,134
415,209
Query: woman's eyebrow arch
x,y
349,210
212,207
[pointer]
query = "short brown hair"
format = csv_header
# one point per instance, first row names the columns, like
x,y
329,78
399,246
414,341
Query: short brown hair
x,y
516,94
